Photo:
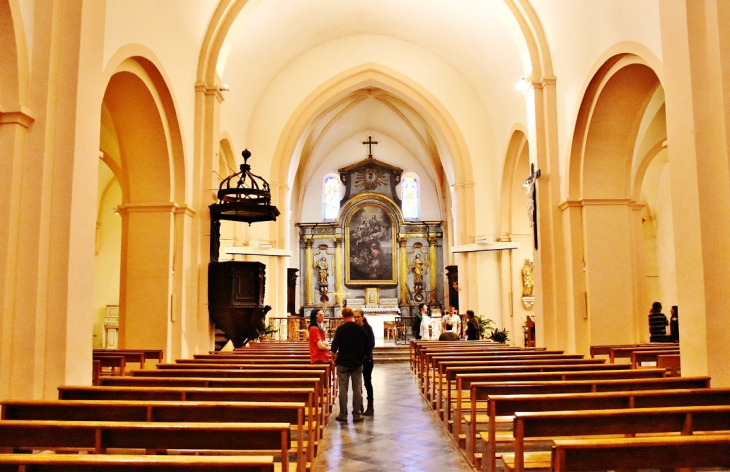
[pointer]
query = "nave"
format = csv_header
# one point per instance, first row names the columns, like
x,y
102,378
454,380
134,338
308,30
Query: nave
x,y
404,434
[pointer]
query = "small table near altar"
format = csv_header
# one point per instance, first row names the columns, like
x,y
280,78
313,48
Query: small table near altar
x,y
376,316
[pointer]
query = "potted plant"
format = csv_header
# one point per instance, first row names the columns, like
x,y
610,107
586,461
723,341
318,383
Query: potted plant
x,y
489,331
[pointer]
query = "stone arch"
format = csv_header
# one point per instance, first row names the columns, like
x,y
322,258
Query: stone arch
x,y
449,140
536,53
515,226
148,146
515,171
605,220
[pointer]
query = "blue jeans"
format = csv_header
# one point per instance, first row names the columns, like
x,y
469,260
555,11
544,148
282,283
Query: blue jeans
x,y
344,374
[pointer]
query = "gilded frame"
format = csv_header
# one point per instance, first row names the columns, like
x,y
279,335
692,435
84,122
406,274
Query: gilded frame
x,y
370,245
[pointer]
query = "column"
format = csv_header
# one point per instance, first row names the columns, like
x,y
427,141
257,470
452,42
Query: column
x,y
338,270
432,266
403,283
308,263
145,298
696,78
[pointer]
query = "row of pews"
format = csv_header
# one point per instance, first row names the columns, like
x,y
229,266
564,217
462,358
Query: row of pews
x,y
260,408
532,409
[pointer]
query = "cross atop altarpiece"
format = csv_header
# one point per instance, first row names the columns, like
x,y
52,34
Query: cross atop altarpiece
x,y
370,143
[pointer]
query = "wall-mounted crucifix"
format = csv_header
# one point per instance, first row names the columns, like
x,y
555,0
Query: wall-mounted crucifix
x,y
370,143
529,187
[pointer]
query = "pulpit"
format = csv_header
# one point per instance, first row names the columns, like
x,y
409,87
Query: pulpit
x,y
236,299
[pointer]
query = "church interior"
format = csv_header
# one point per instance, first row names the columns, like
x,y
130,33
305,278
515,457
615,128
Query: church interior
x,y
559,162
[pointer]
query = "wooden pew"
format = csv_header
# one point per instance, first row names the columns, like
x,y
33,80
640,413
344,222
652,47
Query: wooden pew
x,y
473,347
319,371
314,384
450,374
639,357
95,372
232,364
124,463
129,357
415,346
465,381
152,437
570,424
116,365
625,352
671,363
508,405
485,391
149,354
605,349
439,383
642,453
178,412
432,361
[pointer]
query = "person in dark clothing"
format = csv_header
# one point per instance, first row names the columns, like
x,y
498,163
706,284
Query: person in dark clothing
x,y
657,324
674,324
350,346
368,364
422,310
472,326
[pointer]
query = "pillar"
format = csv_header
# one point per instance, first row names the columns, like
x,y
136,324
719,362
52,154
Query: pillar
x,y
403,283
308,263
697,86
145,296
338,270
432,266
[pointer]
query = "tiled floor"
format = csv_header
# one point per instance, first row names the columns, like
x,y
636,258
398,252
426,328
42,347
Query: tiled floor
x,y
403,435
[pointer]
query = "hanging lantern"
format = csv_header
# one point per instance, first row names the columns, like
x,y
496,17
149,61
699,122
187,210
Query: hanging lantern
x,y
244,197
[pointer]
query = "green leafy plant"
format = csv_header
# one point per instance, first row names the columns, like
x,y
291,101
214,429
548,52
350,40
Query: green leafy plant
x,y
268,331
500,336
485,324
489,331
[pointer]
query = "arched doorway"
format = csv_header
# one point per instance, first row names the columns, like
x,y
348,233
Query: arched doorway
x,y
620,121
516,226
141,146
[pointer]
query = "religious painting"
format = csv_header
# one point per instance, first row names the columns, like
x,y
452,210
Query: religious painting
x,y
369,246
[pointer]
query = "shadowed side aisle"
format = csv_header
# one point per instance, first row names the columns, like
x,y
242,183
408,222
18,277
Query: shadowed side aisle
x,y
404,434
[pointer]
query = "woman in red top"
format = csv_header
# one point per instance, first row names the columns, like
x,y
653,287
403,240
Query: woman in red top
x,y
319,350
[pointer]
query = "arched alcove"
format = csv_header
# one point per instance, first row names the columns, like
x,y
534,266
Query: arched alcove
x,y
141,137
617,127
516,226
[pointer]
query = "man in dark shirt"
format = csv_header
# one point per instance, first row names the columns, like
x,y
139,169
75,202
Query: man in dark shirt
x,y
368,364
657,324
350,348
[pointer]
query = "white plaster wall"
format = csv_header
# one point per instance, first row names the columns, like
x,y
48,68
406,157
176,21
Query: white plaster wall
x,y
656,193
579,34
108,258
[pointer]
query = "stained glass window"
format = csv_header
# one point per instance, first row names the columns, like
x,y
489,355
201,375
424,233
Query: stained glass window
x,y
410,194
331,194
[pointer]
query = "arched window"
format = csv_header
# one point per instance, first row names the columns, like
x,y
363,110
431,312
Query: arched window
x,y
410,193
331,197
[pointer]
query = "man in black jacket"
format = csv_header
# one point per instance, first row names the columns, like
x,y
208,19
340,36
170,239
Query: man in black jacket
x,y
350,348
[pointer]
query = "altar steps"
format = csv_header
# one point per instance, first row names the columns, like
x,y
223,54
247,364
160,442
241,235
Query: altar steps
x,y
390,354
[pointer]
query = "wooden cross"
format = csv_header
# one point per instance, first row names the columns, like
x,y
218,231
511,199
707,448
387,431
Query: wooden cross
x,y
529,186
370,143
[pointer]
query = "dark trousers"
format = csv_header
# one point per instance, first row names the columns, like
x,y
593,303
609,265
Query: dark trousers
x,y
367,374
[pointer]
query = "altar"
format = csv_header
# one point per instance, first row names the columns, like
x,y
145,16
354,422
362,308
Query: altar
x,y
377,315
